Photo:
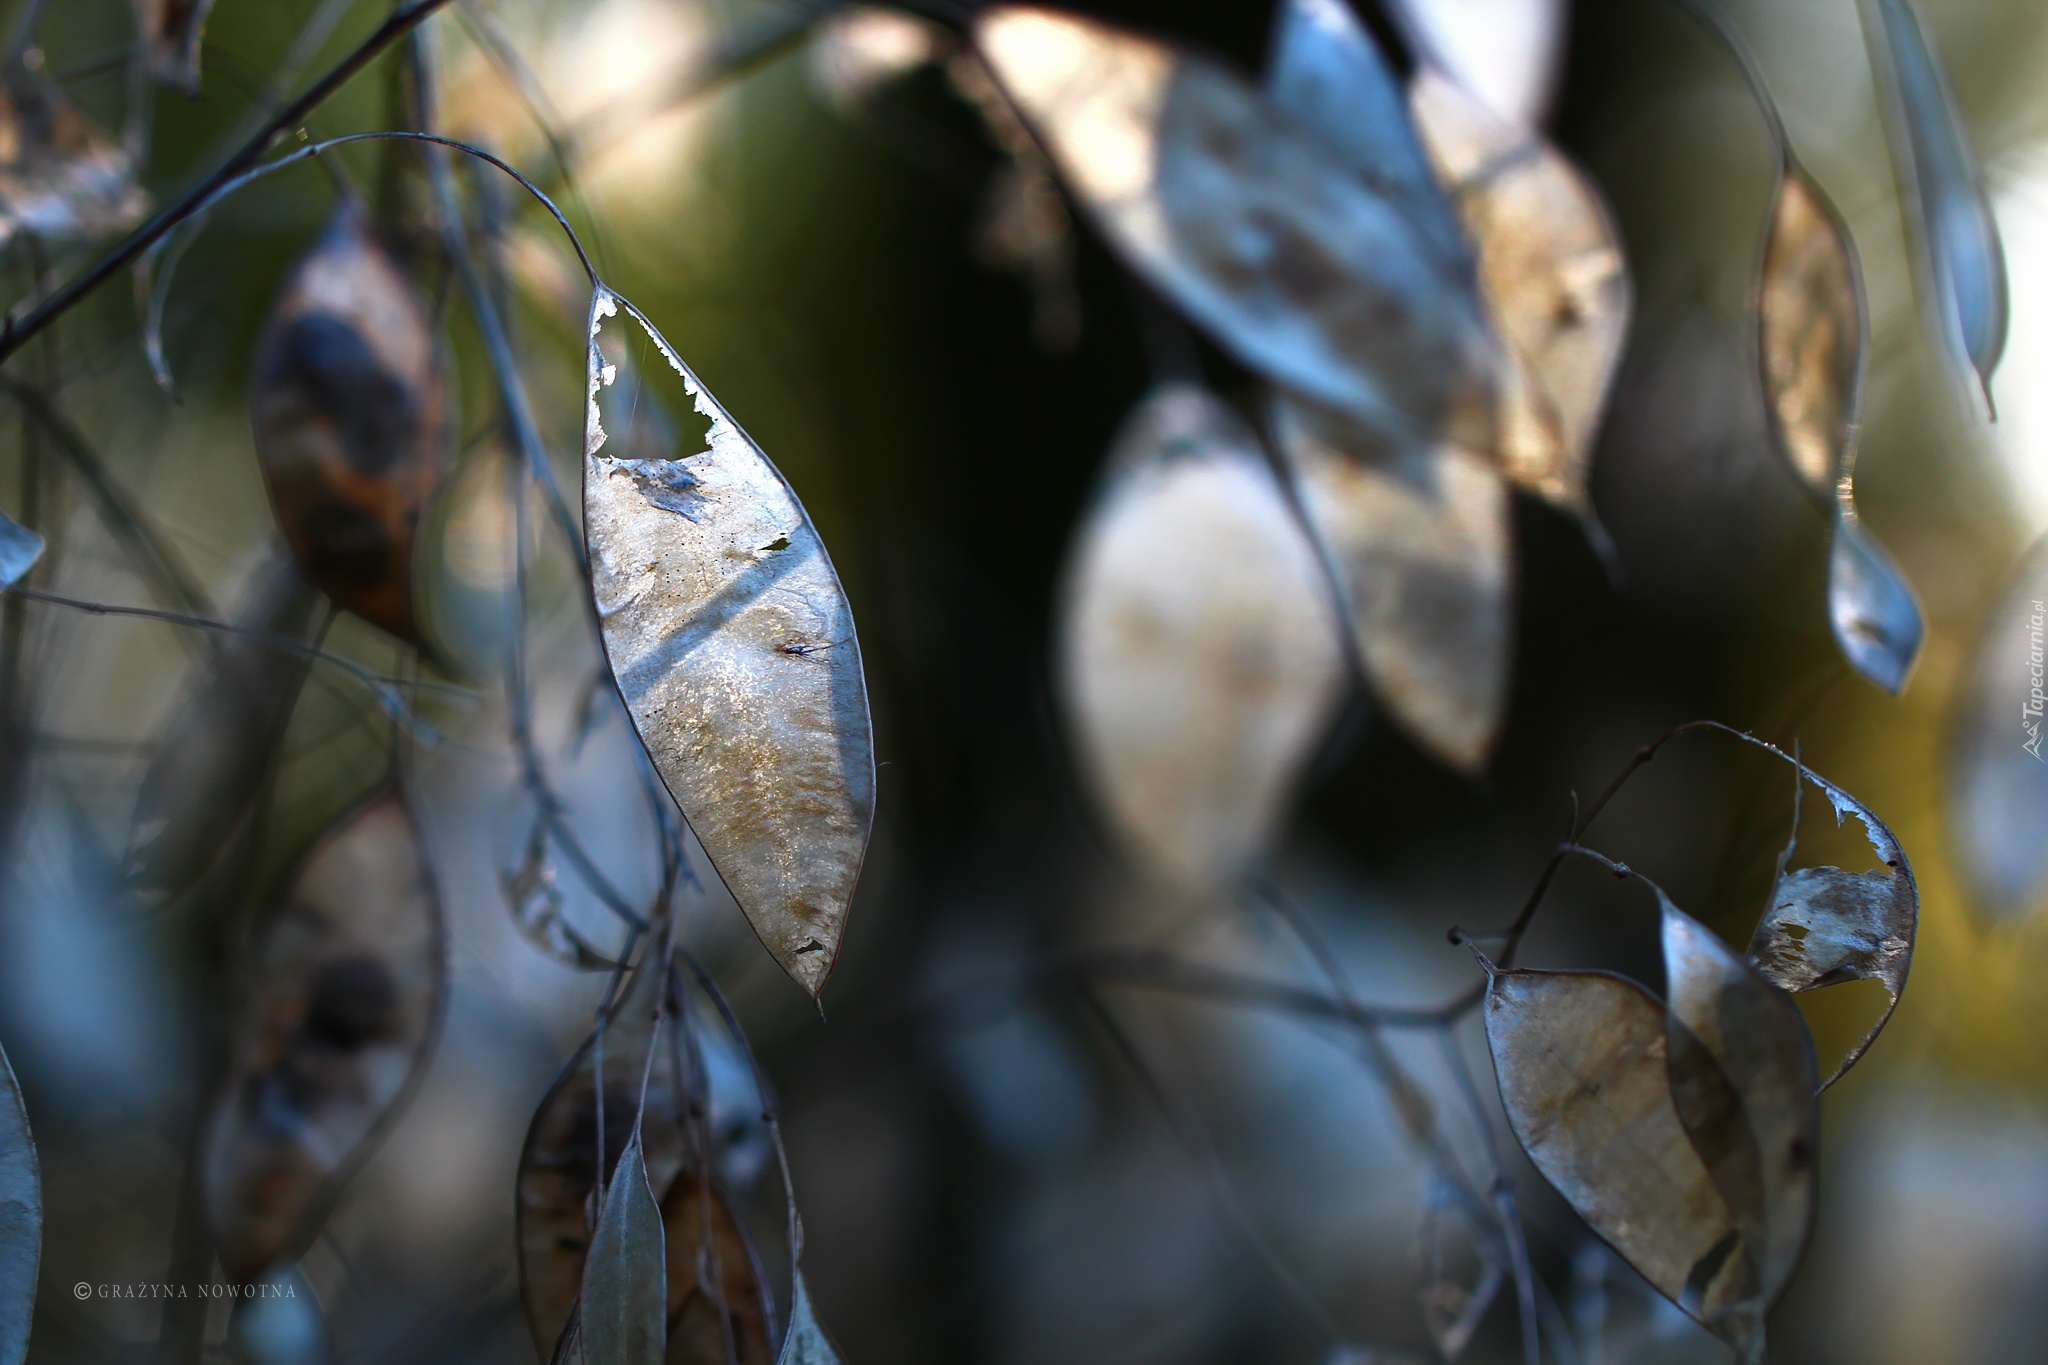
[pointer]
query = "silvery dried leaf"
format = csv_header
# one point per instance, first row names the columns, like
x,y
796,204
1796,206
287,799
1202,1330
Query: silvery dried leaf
x,y
535,898
350,408
344,1003
1508,53
1199,654
1246,221
1555,283
806,1342
172,31
1826,926
1875,616
622,1311
20,548
719,1310
1420,539
61,178
21,1220
1812,325
1998,770
1961,260
734,647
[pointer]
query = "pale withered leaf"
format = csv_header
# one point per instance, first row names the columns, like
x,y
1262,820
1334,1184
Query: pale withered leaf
x,y
719,1310
350,408
1826,926
806,1342
61,178
1998,770
1812,327
623,1309
1875,616
1246,221
1420,538
1506,52
343,1007
1585,1077
1199,653
1554,280
734,648
1463,1265
534,896
172,31
204,776
1755,1034
21,1220
1962,261
20,548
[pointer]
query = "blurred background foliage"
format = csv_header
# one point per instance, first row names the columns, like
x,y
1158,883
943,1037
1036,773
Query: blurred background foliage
x,y
983,1177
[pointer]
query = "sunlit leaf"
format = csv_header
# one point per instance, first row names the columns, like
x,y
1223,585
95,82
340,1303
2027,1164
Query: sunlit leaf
x,y
61,178
1826,926
622,1312
1200,659
350,407
1554,279
1962,261
719,1311
1876,617
1811,320
1998,775
734,648
172,31
21,1220
1246,221
344,1003
1507,52
806,1342
1420,536
860,50
205,774
20,548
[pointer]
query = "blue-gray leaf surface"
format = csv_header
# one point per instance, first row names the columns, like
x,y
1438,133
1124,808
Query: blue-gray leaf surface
x,y
1875,616
20,548
624,1308
21,1220
806,1343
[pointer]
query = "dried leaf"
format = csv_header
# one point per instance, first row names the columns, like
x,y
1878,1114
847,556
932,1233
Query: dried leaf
x,y
1200,661
1508,53
734,647
344,1003
350,408
1826,926
806,1342
622,1312
1812,324
1584,1061
20,548
1463,1264
172,31
535,899
61,178
1961,259
1419,537
21,1220
1553,276
204,777
1245,221
1998,772
719,1310
1875,616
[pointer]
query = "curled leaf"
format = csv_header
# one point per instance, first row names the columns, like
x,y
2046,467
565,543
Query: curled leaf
x,y
1508,53
345,1001
622,1311
1826,926
1998,770
734,648
1875,616
1812,324
534,896
1199,656
806,1342
172,31
1246,221
1962,262
350,409
1419,537
21,1220
1553,277
20,548
61,178
719,1310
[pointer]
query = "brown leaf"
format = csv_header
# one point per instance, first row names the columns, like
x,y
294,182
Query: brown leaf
x,y
1246,221
172,31
734,647
1200,659
1811,325
1554,280
1420,538
61,178
346,999
719,1310
350,409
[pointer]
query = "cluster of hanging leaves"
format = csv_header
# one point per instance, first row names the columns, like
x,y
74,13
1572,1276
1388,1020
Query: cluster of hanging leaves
x,y
1685,1131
